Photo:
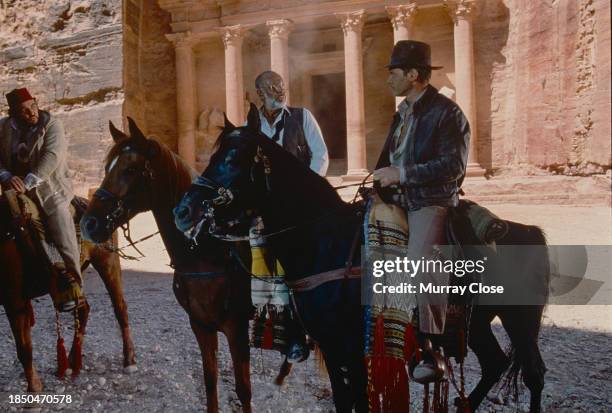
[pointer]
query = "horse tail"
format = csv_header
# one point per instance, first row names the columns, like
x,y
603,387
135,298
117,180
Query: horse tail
x,y
535,236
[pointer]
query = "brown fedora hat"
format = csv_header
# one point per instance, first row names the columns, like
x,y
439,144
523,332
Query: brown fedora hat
x,y
410,53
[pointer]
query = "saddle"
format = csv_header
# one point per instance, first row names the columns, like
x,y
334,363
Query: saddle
x,y
41,257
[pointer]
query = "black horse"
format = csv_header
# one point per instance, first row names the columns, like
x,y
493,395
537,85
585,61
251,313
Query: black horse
x,y
312,231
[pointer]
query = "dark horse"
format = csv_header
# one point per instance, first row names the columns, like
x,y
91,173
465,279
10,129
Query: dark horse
x,y
19,270
310,231
143,175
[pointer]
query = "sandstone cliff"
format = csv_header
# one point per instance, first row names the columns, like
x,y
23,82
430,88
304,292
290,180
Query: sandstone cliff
x,y
69,54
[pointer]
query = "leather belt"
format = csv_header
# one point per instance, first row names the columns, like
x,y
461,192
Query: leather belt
x,y
309,283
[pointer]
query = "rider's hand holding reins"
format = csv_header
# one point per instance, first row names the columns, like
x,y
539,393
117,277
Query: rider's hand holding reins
x,y
15,183
387,176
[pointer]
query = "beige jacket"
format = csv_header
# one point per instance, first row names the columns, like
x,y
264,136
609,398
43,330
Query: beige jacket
x,y
48,160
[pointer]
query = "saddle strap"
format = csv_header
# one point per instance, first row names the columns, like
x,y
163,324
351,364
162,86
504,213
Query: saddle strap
x,y
312,282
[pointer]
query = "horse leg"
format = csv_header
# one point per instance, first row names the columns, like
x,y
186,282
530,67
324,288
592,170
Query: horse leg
x,y
493,361
238,340
359,383
523,327
107,265
283,373
19,319
339,379
207,341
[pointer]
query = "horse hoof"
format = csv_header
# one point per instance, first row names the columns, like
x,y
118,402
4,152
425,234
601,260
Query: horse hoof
x,y
130,369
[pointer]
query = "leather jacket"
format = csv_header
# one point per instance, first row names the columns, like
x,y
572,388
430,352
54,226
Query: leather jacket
x,y
435,164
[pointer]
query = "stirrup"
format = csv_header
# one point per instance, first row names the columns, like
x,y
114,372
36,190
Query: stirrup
x,y
68,294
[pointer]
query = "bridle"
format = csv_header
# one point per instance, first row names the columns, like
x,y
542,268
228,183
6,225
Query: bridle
x,y
224,197
121,209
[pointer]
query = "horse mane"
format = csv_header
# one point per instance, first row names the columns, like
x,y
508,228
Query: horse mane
x,y
164,157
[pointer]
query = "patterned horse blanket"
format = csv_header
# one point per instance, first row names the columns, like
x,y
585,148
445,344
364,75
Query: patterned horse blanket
x,y
270,295
43,257
392,320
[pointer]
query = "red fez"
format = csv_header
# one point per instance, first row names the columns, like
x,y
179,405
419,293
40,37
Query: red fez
x,y
17,96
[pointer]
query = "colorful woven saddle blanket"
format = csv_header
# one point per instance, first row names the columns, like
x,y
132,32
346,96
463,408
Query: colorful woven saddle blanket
x,y
35,241
269,294
394,318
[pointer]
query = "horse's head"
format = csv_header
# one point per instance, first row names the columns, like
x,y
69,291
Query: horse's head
x,y
126,189
225,196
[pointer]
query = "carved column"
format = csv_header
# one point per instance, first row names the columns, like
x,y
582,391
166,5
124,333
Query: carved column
x,y
279,30
402,19
185,95
352,25
462,12
234,87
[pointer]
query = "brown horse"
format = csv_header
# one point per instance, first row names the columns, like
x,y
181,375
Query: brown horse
x,y
142,175
17,268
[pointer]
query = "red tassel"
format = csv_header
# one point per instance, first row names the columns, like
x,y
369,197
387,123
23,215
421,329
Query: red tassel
x,y
388,380
62,359
411,345
268,334
31,314
77,356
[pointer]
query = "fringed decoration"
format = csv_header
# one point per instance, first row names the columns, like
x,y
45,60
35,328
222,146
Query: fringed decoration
x,y
31,314
436,397
268,334
388,388
62,358
426,398
76,353
440,398
411,345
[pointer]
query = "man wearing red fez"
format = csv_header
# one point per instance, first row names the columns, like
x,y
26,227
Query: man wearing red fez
x,y
33,160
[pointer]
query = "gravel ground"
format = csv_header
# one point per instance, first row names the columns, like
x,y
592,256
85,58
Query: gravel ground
x,y
575,344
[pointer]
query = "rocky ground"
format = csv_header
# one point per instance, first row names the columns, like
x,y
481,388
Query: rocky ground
x,y
575,344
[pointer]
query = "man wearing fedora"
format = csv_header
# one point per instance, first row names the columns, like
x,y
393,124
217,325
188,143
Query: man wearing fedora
x,y
33,160
423,163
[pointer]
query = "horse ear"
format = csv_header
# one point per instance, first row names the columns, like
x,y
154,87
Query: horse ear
x,y
117,135
253,122
135,132
228,125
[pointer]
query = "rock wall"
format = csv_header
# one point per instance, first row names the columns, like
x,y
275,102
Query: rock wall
x,y
542,68
69,54
148,70
543,73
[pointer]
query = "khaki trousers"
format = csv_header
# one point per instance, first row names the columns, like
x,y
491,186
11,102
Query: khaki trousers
x,y
427,229
63,234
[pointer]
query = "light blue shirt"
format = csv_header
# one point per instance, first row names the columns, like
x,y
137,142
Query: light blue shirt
x,y
312,132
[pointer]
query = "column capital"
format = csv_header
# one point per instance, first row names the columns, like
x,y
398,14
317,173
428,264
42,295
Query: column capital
x,y
232,35
402,15
279,29
352,21
181,39
461,9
